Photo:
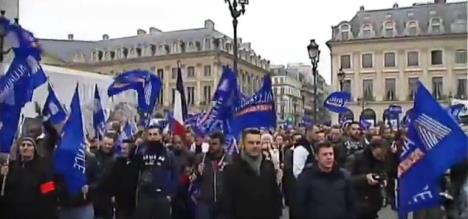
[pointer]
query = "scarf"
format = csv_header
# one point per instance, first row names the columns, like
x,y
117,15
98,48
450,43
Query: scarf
x,y
253,162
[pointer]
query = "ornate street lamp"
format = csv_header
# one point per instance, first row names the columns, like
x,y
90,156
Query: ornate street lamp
x,y
2,36
314,55
341,77
235,13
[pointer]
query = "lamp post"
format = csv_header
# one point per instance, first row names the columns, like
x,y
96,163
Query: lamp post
x,y
341,77
235,13
314,55
2,36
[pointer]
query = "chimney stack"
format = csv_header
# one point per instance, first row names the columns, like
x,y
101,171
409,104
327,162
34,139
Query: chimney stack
x,y
361,8
440,1
209,24
154,30
105,37
141,32
70,36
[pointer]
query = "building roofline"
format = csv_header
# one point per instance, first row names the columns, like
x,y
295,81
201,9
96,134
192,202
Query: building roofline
x,y
412,6
372,40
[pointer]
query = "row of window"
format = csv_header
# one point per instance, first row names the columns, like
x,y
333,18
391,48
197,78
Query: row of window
x,y
391,90
286,91
190,95
411,27
190,72
412,59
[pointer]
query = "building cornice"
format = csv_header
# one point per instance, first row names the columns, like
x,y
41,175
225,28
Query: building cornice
x,y
146,59
331,43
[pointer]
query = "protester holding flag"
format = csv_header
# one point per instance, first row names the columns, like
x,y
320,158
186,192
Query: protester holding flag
x,y
208,176
158,177
29,192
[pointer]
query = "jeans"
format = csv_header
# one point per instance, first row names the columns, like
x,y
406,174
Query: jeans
x,y
83,212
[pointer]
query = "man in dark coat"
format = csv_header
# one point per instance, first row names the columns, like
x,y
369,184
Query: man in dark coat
x,y
122,182
325,191
369,176
250,188
208,176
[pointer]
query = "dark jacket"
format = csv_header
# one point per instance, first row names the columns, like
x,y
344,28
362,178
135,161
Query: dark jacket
x,y
30,191
247,195
211,181
369,198
104,162
158,173
325,195
122,183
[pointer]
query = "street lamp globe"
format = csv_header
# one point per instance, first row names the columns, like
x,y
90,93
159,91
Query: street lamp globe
x,y
314,51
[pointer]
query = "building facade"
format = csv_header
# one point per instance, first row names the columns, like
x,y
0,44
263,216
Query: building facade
x,y
201,53
384,53
288,96
293,86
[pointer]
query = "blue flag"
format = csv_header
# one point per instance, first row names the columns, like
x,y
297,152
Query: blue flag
x,y
99,119
256,111
70,156
336,101
146,84
455,111
435,143
220,116
19,82
53,109
127,133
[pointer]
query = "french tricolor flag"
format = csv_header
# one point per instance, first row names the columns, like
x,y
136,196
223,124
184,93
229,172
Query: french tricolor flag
x,y
180,107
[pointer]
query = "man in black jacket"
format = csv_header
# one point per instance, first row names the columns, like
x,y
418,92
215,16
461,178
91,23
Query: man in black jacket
x,y
324,191
369,178
209,174
183,163
250,188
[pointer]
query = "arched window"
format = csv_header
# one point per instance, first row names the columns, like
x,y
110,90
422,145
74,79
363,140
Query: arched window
x,y
153,50
345,32
389,28
436,25
125,53
412,28
367,31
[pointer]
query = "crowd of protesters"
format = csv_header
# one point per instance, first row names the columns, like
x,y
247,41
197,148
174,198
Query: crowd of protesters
x,y
315,172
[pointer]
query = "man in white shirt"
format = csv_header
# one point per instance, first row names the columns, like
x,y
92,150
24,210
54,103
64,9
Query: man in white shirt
x,y
304,152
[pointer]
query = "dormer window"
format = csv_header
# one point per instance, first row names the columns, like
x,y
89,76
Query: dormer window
x,y
168,49
125,53
112,55
366,31
100,55
436,25
182,46
153,50
207,43
412,28
389,28
138,52
345,32
459,24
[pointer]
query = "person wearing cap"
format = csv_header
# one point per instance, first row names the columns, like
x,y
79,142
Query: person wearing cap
x,y
30,191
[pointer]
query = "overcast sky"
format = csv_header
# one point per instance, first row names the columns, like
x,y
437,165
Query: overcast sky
x,y
279,30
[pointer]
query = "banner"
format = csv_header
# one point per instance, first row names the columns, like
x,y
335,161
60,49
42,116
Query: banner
x,y
99,121
53,110
336,101
434,144
257,111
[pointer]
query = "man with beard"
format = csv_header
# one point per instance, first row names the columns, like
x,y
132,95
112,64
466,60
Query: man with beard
x,y
352,145
183,163
335,138
158,177
209,176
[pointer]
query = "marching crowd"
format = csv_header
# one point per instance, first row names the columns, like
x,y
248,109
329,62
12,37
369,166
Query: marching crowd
x,y
317,172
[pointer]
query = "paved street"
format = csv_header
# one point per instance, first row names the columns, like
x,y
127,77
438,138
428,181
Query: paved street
x,y
386,213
